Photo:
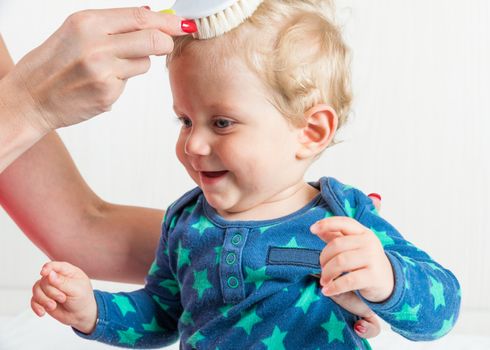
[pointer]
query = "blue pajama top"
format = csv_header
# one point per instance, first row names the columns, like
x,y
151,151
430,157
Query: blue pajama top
x,y
221,284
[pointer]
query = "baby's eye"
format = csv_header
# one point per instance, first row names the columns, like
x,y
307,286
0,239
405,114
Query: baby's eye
x,y
185,121
223,123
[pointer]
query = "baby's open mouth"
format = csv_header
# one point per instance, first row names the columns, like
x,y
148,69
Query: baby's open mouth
x,y
214,174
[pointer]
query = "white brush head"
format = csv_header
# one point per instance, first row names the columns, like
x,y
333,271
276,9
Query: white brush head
x,y
215,17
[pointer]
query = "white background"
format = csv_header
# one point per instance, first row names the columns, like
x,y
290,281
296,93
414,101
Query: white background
x,y
419,134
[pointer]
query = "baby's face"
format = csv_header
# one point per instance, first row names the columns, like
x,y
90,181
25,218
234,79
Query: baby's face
x,y
233,143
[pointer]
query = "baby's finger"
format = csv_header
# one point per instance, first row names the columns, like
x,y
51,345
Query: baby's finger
x,y
61,283
51,291
38,309
41,298
349,282
60,267
339,245
345,225
344,262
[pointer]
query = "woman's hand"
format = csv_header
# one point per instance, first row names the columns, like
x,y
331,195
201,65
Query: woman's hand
x,y
81,70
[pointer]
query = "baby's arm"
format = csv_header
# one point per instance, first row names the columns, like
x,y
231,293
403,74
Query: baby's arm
x,y
145,318
426,298
401,283
64,291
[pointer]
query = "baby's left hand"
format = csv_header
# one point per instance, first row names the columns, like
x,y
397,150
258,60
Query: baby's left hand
x,y
353,259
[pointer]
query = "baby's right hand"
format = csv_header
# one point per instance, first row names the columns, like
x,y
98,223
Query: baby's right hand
x,y
65,292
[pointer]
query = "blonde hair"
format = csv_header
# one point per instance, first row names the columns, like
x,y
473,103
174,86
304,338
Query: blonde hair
x,y
296,49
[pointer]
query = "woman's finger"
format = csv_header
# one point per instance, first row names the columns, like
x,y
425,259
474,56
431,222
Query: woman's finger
x,y
128,68
368,328
123,20
376,198
141,43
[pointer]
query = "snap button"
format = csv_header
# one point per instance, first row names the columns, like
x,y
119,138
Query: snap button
x,y
231,258
236,239
233,282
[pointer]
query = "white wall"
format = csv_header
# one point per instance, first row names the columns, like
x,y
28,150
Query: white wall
x,y
418,135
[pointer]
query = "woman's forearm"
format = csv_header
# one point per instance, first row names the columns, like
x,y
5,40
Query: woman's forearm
x,y
16,134
45,194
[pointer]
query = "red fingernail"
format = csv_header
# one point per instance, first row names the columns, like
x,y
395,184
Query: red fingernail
x,y
147,7
360,328
188,26
375,195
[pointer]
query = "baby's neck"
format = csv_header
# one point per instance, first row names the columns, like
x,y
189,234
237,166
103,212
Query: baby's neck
x,y
284,203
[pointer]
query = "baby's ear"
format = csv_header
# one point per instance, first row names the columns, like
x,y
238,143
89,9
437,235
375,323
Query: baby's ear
x,y
320,125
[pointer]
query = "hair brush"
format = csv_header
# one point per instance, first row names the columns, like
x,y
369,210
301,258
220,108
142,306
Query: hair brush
x,y
215,17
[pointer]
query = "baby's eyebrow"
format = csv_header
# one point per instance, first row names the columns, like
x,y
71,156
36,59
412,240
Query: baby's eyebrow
x,y
222,107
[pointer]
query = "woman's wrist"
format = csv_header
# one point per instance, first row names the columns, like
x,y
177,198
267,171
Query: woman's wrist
x,y
21,124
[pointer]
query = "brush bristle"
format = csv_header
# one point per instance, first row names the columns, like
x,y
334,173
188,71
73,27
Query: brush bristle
x,y
226,20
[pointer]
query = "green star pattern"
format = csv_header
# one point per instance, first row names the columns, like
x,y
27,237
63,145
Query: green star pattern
x,y
334,328
408,313
186,318
218,250
123,303
129,336
408,260
265,228
182,256
224,310
171,285
434,267
201,282
351,212
248,320
202,224
256,276
190,208
383,237
446,327
407,282
276,340
153,326
292,244
160,303
437,291
308,296
173,222
153,268
193,339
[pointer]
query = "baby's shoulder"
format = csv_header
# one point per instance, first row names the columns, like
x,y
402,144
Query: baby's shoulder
x,y
343,199
185,205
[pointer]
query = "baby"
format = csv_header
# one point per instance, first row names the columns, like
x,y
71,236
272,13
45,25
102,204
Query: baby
x,y
238,257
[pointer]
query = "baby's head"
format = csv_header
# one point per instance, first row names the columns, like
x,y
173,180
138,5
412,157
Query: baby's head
x,y
261,102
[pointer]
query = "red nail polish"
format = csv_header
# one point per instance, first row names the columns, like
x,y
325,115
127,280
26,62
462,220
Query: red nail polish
x,y
188,26
360,329
375,195
147,7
